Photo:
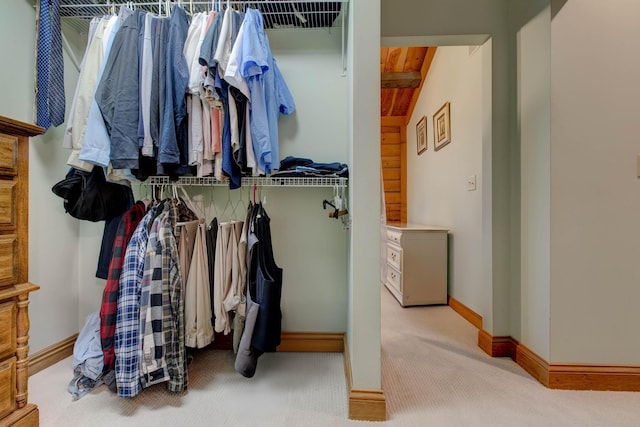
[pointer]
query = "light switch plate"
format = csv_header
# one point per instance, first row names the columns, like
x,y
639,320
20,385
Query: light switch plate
x,y
471,182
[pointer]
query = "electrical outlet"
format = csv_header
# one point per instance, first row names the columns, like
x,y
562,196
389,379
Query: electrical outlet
x,y
471,183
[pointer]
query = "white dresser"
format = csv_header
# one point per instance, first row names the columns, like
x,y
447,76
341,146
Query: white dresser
x,y
417,264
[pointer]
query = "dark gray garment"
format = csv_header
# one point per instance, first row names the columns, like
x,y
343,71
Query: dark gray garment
x,y
157,77
246,361
117,95
141,29
212,236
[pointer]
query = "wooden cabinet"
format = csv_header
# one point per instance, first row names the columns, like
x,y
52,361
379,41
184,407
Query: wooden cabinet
x,y
14,268
417,264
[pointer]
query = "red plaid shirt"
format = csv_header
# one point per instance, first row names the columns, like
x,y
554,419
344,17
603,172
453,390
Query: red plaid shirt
x,y
109,307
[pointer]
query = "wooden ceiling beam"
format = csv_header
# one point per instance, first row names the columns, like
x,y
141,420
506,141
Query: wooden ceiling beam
x,y
411,79
431,51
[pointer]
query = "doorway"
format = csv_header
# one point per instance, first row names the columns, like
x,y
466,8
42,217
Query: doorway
x,y
435,182
442,183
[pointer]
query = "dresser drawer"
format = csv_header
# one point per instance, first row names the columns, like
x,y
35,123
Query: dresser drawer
x,y
7,386
7,204
394,278
8,329
8,155
394,236
8,259
394,256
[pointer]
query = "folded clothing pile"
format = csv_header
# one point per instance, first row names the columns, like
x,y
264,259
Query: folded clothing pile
x,y
302,167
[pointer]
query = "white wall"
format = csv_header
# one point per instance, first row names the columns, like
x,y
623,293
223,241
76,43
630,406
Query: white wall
x,y
435,22
52,249
595,193
437,191
310,247
364,159
534,89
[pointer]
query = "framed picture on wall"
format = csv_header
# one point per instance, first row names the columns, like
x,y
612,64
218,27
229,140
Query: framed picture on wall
x,y
441,127
421,134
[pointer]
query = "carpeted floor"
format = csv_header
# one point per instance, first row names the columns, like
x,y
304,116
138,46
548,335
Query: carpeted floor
x,y
433,374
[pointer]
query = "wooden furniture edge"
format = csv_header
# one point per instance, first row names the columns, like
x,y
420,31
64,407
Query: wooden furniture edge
x,y
27,416
317,342
51,355
12,291
469,315
17,127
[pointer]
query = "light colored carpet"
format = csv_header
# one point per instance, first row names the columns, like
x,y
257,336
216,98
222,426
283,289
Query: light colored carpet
x,y
433,374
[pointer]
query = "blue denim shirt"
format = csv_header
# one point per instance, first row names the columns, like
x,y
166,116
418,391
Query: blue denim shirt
x,y
173,141
269,92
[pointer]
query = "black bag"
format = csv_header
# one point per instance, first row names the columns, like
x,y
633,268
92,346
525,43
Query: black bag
x,y
88,195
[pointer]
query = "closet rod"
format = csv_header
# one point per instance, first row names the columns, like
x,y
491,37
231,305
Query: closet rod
x,y
277,14
72,5
271,181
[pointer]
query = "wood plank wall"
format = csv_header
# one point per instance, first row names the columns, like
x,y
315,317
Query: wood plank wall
x,y
393,151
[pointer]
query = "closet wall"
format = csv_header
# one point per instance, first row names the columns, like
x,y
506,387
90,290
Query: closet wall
x,y
53,242
63,257
309,246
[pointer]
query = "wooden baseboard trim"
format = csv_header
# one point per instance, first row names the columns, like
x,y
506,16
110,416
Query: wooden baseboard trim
x,y
347,362
50,355
471,316
497,346
504,347
315,342
367,405
484,342
594,377
558,376
364,404
535,365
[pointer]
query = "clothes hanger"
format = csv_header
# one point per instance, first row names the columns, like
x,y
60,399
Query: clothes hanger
x,y
228,204
188,201
213,205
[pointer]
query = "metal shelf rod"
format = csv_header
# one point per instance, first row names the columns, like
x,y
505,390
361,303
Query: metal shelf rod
x,y
308,182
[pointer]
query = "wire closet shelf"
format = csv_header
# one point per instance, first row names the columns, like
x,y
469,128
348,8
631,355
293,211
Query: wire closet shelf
x,y
268,181
276,13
